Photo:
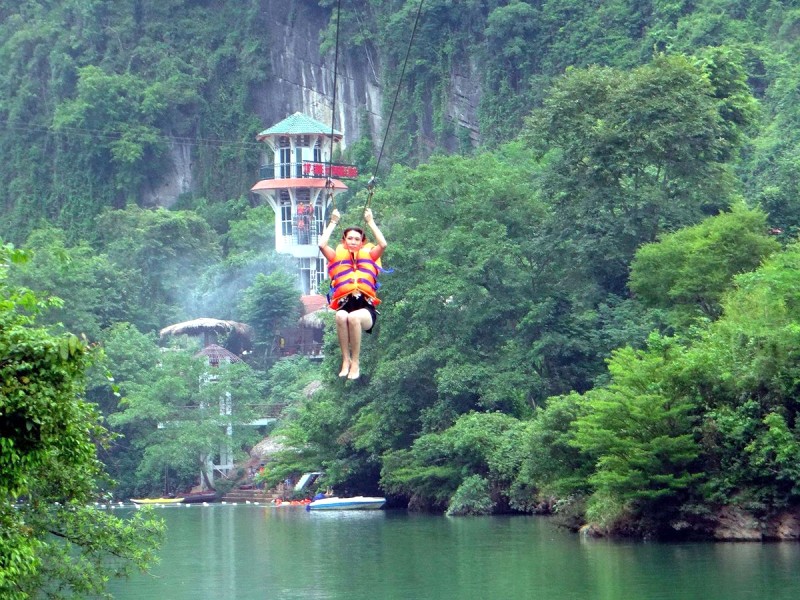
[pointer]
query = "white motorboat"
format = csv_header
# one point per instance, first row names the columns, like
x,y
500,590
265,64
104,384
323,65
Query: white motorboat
x,y
352,503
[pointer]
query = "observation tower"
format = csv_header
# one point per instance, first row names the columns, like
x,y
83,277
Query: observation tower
x,y
299,184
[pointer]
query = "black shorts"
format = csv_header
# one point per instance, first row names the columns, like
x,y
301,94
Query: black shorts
x,y
356,303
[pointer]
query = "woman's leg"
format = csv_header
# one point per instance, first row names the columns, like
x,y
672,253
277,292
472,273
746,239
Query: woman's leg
x,y
357,321
343,333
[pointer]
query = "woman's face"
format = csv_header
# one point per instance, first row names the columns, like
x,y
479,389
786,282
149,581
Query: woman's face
x,y
353,241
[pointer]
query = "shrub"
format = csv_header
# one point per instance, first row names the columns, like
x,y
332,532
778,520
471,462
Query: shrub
x,y
471,498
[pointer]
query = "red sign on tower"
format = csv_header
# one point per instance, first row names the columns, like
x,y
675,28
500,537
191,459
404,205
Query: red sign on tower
x,y
318,169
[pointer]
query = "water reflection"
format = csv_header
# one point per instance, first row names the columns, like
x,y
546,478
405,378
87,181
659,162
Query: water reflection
x,y
250,552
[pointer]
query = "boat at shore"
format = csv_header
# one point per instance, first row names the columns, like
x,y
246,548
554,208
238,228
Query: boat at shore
x,y
352,503
186,499
200,497
157,500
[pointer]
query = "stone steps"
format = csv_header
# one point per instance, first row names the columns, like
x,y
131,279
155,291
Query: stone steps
x,y
262,496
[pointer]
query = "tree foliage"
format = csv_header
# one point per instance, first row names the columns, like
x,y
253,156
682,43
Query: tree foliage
x,y
467,467
116,118
689,271
169,249
270,303
685,426
746,376
53,542
188,412
636,153
639,431
99,292
101,97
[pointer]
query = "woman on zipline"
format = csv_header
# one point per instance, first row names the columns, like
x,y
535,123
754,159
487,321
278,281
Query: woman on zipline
x,y
353,268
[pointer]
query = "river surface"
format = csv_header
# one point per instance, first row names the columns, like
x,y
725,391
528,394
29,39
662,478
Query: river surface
x,y
257,552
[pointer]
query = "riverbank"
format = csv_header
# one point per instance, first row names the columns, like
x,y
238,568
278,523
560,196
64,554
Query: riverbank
x,y
727,524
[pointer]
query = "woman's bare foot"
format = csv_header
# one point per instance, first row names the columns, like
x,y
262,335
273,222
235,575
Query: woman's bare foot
x,y
345,369
355,372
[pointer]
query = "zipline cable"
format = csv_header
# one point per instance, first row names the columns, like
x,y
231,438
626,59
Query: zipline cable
x,y
371,184
329,182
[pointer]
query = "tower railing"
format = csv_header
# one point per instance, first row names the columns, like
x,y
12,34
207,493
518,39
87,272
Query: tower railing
x,y
307,168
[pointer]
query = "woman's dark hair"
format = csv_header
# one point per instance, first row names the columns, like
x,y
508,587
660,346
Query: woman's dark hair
x,y
358,229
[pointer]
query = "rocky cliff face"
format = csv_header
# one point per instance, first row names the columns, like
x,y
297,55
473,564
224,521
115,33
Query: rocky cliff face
x,y
727,524
301,79
736,524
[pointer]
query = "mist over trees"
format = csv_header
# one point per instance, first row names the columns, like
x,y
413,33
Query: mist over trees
x,y
593,309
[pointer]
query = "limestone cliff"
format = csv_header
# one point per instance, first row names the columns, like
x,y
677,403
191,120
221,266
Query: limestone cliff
x,y
301,79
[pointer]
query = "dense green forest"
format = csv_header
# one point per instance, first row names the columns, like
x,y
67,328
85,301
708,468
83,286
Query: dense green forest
x,y
593,312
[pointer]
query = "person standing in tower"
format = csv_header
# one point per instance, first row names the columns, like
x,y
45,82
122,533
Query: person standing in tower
x,y
353,268
303,222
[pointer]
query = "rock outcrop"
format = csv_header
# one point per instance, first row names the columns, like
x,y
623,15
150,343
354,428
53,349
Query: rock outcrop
x,y
736,524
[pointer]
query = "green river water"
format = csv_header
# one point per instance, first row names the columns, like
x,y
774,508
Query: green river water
x,y
251,552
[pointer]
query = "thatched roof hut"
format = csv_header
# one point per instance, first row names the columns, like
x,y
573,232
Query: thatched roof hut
x,y
240,335
313,319
205,325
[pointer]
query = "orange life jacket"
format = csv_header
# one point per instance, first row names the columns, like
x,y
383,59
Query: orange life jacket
x,y
353,273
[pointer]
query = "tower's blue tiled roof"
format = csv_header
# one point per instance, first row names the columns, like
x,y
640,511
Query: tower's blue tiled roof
x,y
299,124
